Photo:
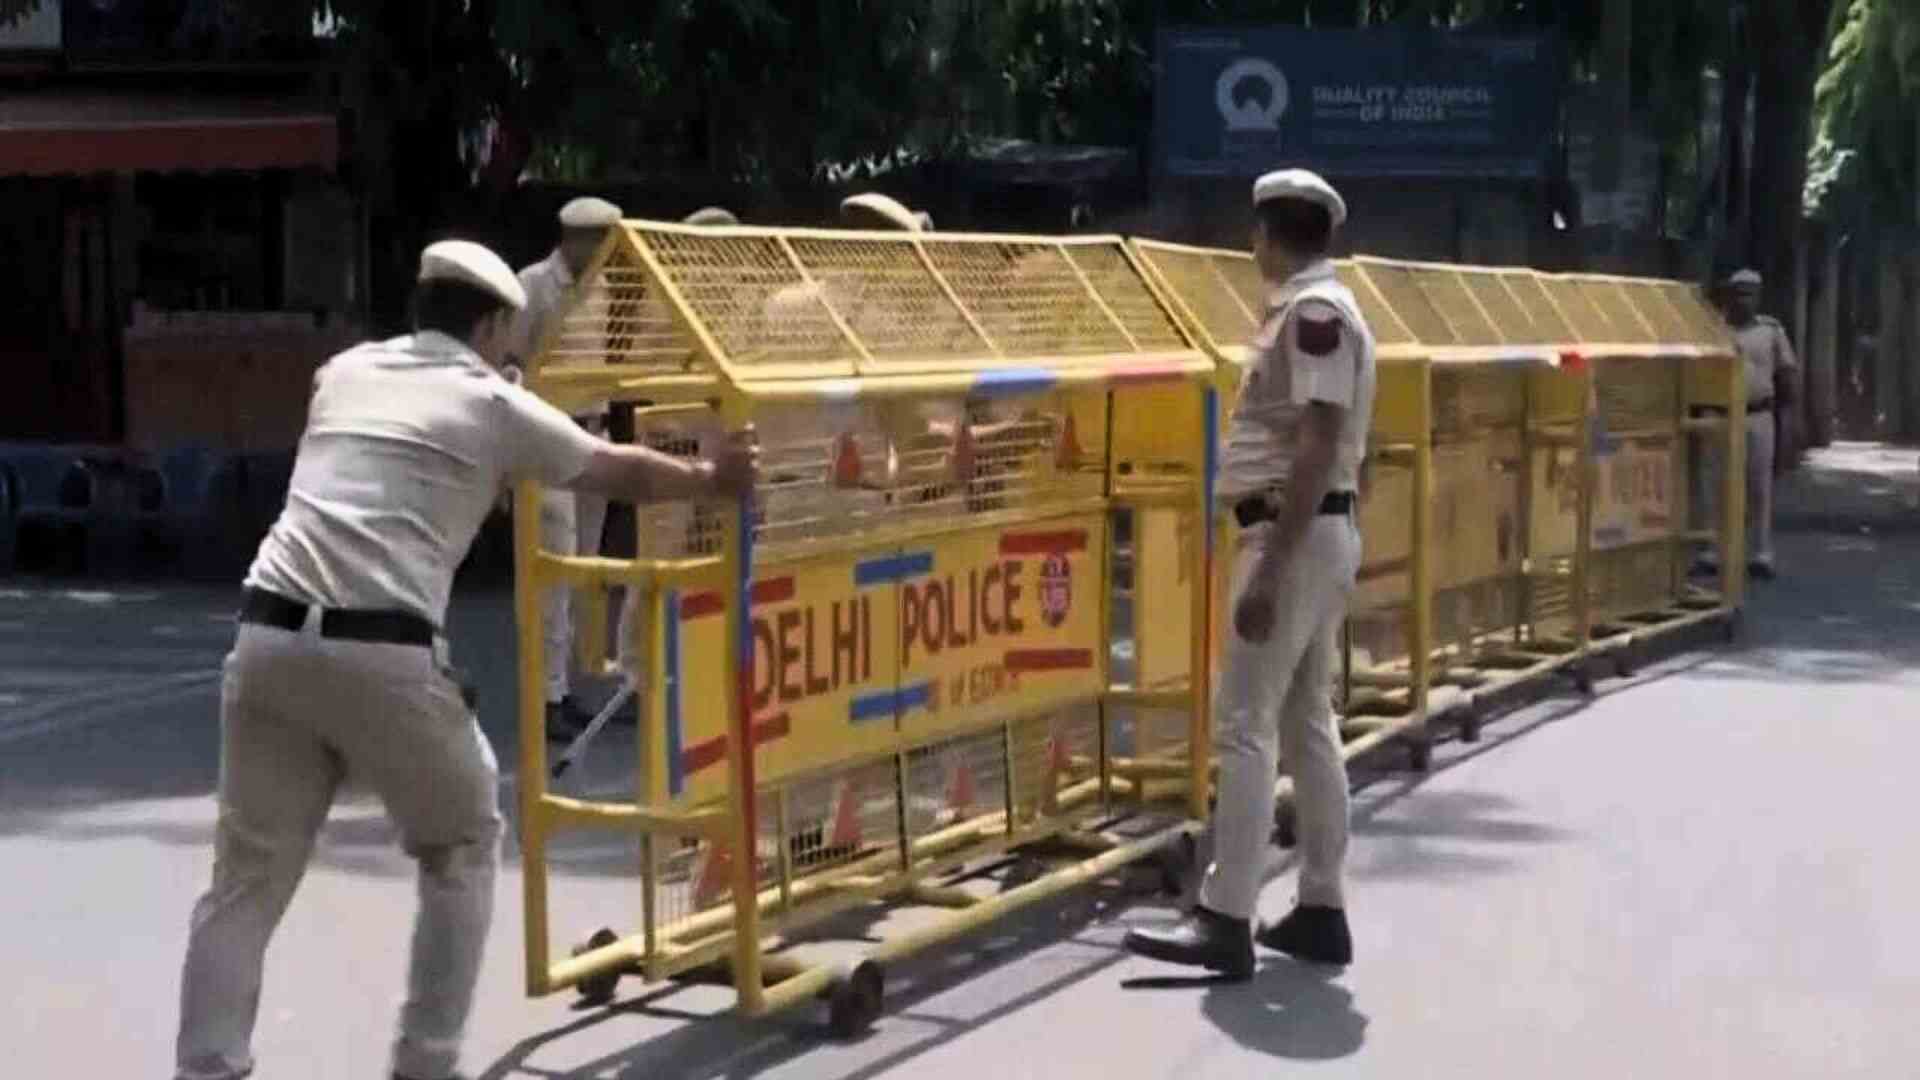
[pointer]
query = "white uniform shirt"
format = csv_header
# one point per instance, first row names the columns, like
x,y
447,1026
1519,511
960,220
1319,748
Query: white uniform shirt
x,y
1314,346
549,283
1765,352
407,446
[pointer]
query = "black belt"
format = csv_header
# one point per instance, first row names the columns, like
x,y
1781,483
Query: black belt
x,y
1753,409
1256,510
263,608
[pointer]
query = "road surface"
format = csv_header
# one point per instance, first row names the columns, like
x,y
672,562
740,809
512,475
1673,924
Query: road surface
x,y
1708,871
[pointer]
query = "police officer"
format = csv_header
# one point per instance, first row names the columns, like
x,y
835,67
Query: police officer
x,y
571,523
1289,473
1772,381
340,664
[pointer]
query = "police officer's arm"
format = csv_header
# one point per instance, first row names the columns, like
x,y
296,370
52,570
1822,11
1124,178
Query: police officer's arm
x,y
644,475
1786,368
542,444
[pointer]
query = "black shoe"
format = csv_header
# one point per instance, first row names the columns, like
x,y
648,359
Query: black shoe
x,y
1760,571
565,720
1314,935
1207,939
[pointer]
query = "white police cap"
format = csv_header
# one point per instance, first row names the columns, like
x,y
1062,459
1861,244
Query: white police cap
x,y
472,264
883,206
1300,184
712,215
589,213
1745,277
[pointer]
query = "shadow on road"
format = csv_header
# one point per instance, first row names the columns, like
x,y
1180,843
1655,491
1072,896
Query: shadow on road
x,y
1290,1012
1845,609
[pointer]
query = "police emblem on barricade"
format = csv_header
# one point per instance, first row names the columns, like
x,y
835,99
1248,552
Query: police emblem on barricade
x,y
1056,589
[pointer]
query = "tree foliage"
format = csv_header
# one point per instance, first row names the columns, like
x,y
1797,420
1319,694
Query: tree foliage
x,y
1865,107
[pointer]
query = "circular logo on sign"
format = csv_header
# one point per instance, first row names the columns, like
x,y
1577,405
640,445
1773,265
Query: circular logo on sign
x,y
1056,589
1251,95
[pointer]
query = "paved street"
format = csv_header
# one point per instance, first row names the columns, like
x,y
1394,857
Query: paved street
x,y
1706,872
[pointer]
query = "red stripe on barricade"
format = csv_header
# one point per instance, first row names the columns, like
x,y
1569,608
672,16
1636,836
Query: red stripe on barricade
x,y
1031,660
1047,543
714,751
700,605
773,591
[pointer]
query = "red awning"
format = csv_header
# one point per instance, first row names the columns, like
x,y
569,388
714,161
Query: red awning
x,y
55,134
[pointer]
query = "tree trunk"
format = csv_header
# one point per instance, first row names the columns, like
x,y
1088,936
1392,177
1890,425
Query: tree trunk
x,y
1822,356
1889,353
1733,144
1907,314
1783,109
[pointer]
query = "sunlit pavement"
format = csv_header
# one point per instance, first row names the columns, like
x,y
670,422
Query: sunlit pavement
x,y
1707,871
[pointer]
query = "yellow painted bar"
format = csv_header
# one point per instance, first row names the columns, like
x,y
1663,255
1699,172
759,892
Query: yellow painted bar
x,y
1420,607
807,986
559,810
533,736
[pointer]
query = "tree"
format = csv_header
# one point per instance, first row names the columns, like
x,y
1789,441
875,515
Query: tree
x,y
1865,165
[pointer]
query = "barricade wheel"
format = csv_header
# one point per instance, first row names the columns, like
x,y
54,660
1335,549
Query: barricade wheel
x,y
854,1001
1583,678
1286,831
599,989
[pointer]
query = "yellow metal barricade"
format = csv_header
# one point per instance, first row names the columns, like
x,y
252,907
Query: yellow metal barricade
x,y
1524,502
894,662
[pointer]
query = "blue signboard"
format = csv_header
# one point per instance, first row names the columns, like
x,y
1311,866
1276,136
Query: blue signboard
x,y
1378,102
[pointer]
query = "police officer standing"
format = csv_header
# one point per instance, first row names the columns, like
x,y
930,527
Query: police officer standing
x,y
571,523
1772,382
1289,473
340,664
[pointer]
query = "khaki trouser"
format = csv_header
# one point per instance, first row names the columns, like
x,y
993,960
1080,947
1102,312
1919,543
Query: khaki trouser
x,y
1761,438
1272,705
297,713
571,523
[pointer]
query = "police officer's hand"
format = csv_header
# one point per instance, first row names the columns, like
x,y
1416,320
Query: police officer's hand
x,y
736,463
1253,615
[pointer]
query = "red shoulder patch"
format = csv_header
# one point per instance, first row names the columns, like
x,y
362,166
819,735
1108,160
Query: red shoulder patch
x,y
1317,335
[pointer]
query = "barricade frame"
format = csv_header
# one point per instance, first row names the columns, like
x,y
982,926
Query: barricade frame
x,y
703,362
1461,682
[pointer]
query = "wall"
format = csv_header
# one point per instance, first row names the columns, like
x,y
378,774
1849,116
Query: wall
x,y
236,380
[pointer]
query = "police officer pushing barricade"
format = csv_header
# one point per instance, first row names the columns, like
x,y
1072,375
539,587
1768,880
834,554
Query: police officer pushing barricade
x,y
340,664
1290,469
1772,381
571,523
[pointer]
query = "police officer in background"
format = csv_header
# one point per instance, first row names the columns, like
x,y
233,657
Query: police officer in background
x,y
571,523
340,664
1289,474
1772,382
